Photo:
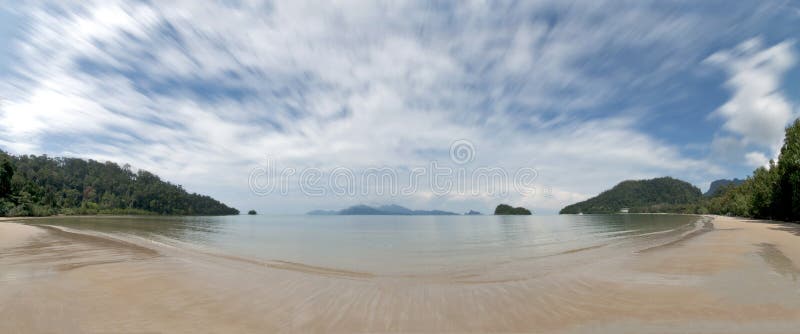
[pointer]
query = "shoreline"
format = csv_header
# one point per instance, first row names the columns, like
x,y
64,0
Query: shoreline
x,y
739,276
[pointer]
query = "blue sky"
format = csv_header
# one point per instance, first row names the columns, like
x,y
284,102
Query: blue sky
x,y
588,93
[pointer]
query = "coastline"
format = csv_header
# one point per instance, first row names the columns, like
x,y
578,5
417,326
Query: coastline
x,y
738,276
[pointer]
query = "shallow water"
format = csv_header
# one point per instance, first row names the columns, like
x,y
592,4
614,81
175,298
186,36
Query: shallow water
x,y
390,245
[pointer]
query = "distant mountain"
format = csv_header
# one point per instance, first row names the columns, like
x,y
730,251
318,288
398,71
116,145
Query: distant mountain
x,y
395,209
638,196
473,213
505,209
718,185
362,210
389,210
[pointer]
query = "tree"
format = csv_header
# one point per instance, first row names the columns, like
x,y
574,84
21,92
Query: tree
x,y
6,173
787,206
762,187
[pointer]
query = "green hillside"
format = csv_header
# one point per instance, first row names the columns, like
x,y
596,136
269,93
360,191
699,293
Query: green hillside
x,y
40,186
639,196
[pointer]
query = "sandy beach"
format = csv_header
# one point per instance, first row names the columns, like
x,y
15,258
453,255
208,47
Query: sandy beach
x,y
733,276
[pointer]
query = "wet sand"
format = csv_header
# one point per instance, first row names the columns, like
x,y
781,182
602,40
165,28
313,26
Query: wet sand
x,y
730,276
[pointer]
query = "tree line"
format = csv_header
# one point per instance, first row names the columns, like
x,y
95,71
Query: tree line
x,y
772,192
40,186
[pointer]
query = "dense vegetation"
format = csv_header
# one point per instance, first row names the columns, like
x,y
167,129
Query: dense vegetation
x,y
41,185
505,209
640,196
772,192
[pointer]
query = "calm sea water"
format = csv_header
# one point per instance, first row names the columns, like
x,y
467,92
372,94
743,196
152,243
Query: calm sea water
x,y
388,244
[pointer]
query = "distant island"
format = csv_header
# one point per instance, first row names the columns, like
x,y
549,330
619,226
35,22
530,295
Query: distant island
x,y
252,212
42,186
384,210
505,209
472,213
772,192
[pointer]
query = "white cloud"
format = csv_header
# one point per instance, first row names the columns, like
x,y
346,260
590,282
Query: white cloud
x,y
756,159
757,111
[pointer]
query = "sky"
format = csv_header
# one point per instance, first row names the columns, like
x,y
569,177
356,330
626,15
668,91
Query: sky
x,y
585,93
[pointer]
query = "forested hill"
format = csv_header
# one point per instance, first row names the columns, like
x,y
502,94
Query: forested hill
x,y
41,185
639,196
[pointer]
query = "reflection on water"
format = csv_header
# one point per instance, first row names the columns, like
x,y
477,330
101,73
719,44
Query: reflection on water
x,y
389,244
